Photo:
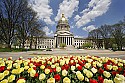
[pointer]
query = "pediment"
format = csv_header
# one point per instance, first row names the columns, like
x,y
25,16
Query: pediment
x,y
64,33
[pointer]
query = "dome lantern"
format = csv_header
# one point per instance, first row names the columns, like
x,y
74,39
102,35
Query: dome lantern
x,y
63,24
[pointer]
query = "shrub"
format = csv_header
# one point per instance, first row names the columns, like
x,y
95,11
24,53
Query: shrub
x,y
62,45
87,45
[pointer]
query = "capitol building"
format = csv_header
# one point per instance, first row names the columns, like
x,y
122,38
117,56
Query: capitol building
x,y
62,35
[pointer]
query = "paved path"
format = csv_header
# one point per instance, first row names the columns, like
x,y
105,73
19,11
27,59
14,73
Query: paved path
x,y
58,52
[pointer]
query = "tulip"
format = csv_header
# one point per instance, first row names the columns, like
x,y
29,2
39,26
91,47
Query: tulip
x,y
57,77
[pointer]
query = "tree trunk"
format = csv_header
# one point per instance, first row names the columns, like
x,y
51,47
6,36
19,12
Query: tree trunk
x,y
31,42
23,44
36,43
9,46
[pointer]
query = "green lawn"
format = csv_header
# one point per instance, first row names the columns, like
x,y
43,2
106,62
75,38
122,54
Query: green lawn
x,y
16,50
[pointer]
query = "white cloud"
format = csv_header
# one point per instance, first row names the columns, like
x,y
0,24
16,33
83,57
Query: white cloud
x,y
68,7
77,17
89,28
77,36
48,31
43,10
95,8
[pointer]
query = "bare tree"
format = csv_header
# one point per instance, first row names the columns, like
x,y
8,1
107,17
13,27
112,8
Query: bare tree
x,y
25,25
10,12
18,21
95,36
35,33
105,31
118,33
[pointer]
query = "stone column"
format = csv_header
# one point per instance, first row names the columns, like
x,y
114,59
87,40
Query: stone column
x,y
66,40
59,40
55,43
62,39
73,41
69,40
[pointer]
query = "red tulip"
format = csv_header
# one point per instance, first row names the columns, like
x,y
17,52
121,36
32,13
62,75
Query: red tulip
x,y
81,63
29,58
2,68
124,71
105,66
57,77
58,61
101,70
71,58
50,59
51,70
37,64
67,67
74,63
36,75
79,68
49,67
20,59
124,74
54,70
63,67
119,69
34,68
100,79
114,73
70,63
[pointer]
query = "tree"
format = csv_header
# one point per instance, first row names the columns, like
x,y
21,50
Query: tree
x,y
35,33
105,31
114,47
26,24
118,33
95,36
18,20
10,12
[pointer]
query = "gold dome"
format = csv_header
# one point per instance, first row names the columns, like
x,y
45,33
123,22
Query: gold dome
x,y
63,24
63,19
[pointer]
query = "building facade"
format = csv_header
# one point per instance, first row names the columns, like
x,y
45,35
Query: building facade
x,y
62,35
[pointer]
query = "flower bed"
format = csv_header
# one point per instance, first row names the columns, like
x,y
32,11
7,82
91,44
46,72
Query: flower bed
x,y
62,69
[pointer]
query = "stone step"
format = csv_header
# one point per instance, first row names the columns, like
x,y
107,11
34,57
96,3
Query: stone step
x,y
70,47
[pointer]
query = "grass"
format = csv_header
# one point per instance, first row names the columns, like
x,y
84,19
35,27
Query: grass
x,y
17,50
5,50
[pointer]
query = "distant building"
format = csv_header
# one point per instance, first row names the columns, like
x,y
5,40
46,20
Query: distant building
x,y
62,35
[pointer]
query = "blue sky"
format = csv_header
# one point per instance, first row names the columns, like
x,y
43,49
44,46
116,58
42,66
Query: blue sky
x,y
83,15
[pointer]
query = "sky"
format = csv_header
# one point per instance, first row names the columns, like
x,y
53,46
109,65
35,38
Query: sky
x,y
83,15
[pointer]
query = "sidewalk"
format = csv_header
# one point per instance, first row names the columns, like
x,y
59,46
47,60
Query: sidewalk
x,y
106,53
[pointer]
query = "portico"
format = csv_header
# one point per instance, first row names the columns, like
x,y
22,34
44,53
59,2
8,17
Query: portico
x,y
68,40
63,34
